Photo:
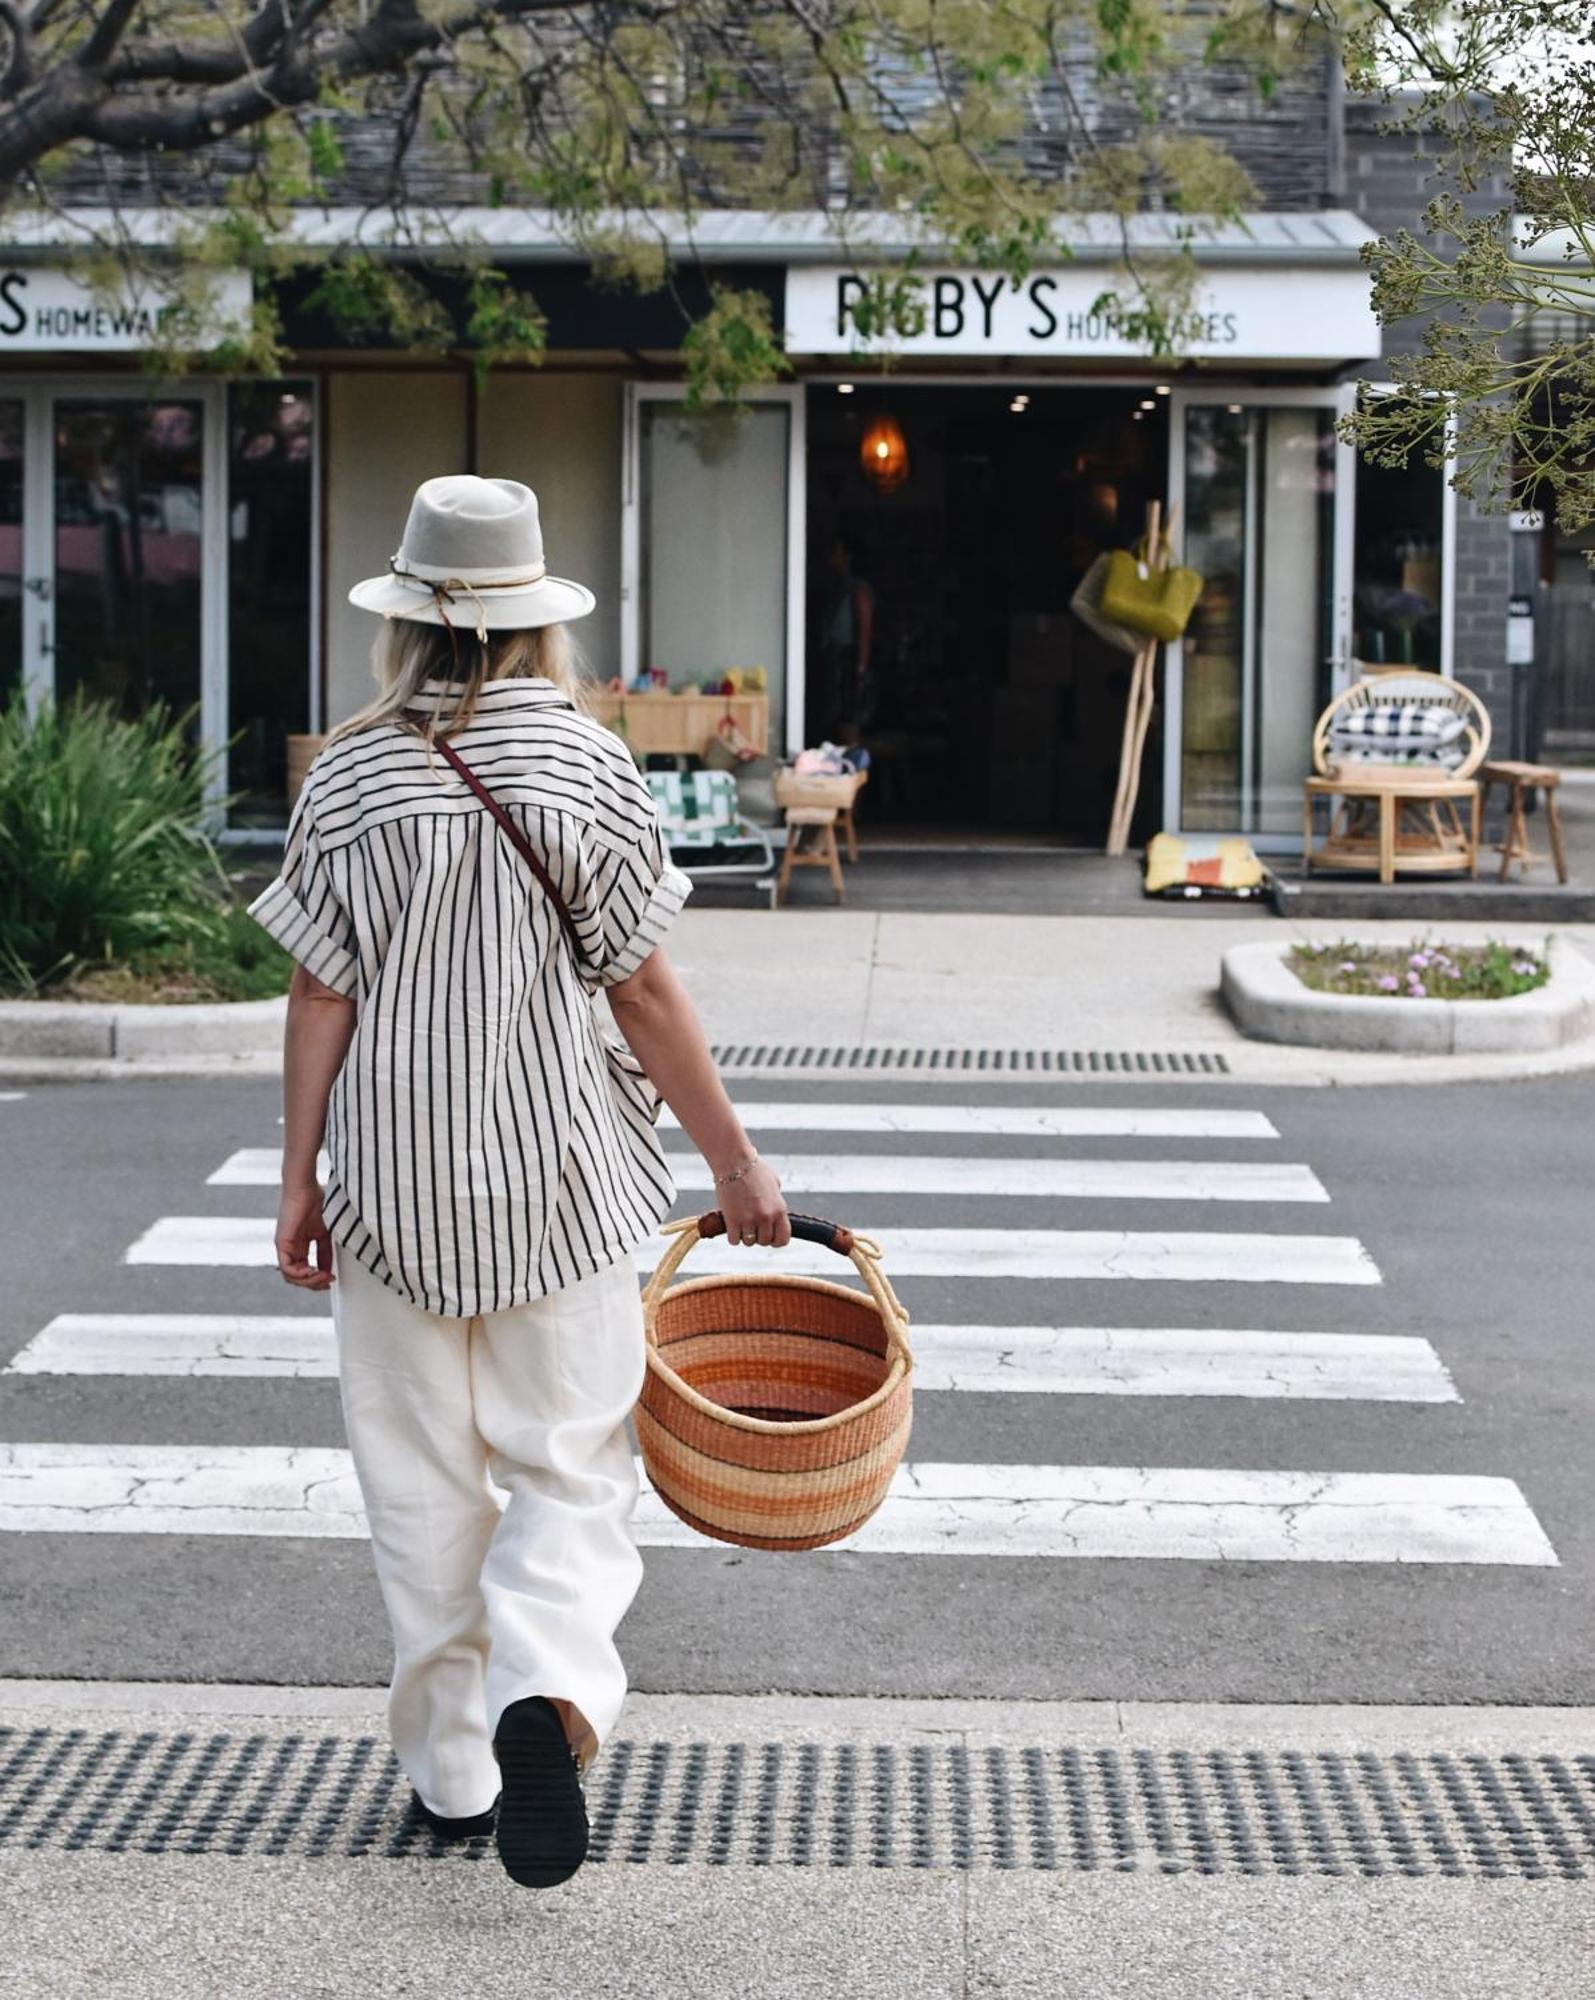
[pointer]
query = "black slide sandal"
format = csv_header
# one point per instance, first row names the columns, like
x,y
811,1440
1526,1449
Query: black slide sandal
x,y
542,1815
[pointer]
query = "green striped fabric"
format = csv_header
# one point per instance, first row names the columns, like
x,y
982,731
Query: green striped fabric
x,y
696,808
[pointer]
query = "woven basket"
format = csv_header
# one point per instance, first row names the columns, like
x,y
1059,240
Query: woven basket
x,y
775,1409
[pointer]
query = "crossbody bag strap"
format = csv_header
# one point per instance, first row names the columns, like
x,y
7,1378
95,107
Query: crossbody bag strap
x,y
519,842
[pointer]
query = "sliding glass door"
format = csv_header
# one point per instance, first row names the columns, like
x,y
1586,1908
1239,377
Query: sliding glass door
x,y
712,545
1264,489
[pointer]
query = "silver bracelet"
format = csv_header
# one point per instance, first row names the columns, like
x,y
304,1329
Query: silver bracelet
x,y
724,1180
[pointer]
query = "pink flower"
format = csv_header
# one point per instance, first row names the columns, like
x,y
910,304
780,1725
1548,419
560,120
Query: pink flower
x,y
1348,965
1389,983
1417,990
1419,959
1523,966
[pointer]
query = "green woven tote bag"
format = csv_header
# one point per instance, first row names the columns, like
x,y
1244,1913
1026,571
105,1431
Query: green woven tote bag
x,y
1158,602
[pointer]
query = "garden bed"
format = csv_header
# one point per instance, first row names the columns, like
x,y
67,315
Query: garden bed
x,y
1422,970
1500,1011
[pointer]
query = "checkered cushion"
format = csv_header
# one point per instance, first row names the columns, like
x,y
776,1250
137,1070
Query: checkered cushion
x,y
1447,757
696,808
1400,732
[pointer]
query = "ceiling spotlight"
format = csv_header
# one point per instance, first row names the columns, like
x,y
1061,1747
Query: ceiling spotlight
x,y
1018,405
1148,404
1162,389
844,388
1234,408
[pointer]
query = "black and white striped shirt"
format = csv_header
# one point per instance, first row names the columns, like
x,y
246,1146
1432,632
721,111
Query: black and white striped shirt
x,y
488,1141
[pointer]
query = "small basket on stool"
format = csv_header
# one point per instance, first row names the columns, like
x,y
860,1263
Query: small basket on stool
x,y
775,1409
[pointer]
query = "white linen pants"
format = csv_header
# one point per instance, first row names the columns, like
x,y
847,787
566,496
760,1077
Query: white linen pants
x,y
489,1606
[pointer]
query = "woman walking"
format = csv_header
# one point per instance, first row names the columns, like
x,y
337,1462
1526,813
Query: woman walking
x,y
470,859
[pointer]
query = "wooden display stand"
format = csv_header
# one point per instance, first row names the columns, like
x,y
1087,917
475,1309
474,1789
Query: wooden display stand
x,y
804,853
1143,689
838,790
682,725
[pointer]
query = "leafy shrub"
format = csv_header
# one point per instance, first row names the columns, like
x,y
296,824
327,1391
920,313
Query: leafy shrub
x,y
103,856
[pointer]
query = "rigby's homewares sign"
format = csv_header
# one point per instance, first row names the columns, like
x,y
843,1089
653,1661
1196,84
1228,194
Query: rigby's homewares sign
x,y
1250,312
49,310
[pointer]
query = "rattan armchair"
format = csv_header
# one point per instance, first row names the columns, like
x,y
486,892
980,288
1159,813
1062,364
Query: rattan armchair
x,y
1399,814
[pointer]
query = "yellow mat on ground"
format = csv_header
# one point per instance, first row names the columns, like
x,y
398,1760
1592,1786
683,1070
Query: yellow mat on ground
x,y
1182,864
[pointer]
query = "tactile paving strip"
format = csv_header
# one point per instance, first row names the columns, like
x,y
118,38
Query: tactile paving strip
x,y
837,1805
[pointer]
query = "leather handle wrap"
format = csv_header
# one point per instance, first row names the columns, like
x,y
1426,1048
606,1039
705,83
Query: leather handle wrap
x,y
810,1228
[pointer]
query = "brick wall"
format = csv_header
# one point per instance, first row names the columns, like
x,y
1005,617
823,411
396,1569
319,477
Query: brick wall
x,y
1389,182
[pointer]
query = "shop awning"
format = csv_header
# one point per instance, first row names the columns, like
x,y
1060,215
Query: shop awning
x,y
806,236
1276,287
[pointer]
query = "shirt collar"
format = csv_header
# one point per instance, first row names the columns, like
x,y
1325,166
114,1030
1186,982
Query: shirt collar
x,y
508,691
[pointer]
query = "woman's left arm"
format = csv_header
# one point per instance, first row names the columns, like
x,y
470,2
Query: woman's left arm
x,y
315,1042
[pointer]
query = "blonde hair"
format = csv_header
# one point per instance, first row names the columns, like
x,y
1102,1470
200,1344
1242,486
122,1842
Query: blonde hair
x,y
407,652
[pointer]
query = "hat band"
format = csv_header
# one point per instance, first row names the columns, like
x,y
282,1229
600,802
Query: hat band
x,y
442,581
447,590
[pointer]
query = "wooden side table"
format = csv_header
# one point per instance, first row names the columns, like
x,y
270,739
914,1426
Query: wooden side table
x,y
823,854
1521,781
1438,844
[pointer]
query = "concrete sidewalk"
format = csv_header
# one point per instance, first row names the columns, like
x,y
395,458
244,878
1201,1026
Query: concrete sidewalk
x,y
1137,985
1128,984
251,1842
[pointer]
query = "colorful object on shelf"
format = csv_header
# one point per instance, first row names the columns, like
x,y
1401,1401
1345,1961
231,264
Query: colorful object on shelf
x,y
1192,866
883,454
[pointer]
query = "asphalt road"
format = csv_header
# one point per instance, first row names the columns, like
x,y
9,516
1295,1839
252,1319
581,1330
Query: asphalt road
x,y
1472,1201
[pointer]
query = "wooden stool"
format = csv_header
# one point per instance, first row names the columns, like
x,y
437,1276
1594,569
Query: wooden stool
x,y
823,854
1521,781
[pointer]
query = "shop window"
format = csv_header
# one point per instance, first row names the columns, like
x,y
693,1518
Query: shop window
x,y
714,498
10,548
270,512
128,543
1398,563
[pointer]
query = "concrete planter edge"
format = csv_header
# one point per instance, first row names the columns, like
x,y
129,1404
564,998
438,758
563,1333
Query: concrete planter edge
x,y
131,1031
1268,1003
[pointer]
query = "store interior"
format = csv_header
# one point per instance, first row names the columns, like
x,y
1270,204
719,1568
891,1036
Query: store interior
x,y
948,527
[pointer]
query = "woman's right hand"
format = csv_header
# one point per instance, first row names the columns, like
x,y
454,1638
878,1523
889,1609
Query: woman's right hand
x,y
754,1208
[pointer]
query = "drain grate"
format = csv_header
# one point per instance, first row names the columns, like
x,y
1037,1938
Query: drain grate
x,y
837,1805
877,1058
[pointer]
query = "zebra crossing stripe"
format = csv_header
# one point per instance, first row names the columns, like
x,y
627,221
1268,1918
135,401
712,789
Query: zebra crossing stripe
x,y
1198,1257
1009,1360
933,1508
261,1166
244,1344
1114,1180
1177,1361
890,1173
256,1166
1048,1121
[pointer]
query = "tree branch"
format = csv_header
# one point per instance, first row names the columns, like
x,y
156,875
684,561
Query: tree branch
x,y
19,70
108,31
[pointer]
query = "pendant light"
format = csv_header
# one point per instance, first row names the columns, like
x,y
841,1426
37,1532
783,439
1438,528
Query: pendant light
x,y
883,454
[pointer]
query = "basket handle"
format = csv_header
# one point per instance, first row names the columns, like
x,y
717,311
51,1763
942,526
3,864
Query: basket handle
x,y
863,1251
811,1228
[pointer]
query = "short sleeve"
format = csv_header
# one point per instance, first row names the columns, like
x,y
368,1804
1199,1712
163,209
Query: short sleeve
x,y
301,910
640,890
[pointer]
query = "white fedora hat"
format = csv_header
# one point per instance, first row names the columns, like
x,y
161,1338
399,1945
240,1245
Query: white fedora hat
x,y
472,556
